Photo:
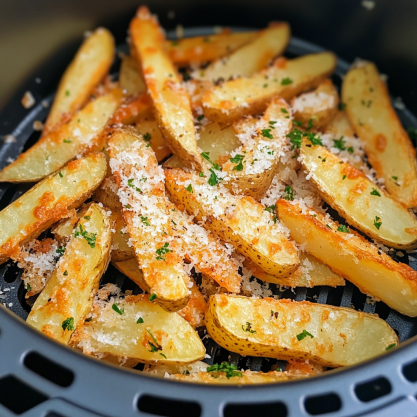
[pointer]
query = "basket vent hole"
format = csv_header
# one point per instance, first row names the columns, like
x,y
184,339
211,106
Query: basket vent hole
x,y
11,272
322,404
17,396
410,371
48,369
160,406
372,390
275,409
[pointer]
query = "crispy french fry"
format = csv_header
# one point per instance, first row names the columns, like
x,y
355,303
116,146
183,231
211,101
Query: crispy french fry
x,y
239,220
132,110
68,296
352,257
200,49
356,198
48,201
285,78
142,194
171,101
89,66
158,337
80,136
327,335
387,145
250,58
130,79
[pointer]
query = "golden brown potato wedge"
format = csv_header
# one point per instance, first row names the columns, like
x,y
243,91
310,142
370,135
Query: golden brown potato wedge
x,y
356,198
106,194
250,58
196,307
130,79
171,101
252,166
387,145
89,66
69,293
143,330
352,257
132,109
285,78
328,335
239,220
49,201
142,193
310,273
122,248
319,105
339,126
80,136
201,49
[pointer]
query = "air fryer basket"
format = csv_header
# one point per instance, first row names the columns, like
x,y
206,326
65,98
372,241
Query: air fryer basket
x,y
41,378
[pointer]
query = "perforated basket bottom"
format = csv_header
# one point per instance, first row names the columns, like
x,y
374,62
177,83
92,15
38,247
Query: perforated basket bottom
x,y
13,292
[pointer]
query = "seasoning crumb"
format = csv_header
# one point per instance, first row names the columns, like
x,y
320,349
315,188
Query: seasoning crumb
x,y
28,100
9,139
37,125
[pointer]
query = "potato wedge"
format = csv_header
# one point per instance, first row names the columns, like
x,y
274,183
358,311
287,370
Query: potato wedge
x,y
218,142
68,296
253,165
352,257
310,273
89,66
319,105
132,109
285,78
339,126
171,101
80,136
49,201
239,220
387,145
250,58
130,79
106,194
201,49
328,335
122,249
142,194
196,307
160,337
362,203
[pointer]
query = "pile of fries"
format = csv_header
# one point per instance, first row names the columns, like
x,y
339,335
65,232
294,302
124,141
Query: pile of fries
x,y
213,157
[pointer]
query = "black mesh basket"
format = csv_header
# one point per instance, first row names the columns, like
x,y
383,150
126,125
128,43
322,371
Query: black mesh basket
x,y
38,377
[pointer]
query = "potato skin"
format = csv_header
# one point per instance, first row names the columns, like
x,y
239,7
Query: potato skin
x,y
341,336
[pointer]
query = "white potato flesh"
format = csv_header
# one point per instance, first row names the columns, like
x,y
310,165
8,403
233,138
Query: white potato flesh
x,y
387,145
131,81
339,336
49,201
356,198
122,335
76,138
68,296
354,258
285,78
251,57
89,66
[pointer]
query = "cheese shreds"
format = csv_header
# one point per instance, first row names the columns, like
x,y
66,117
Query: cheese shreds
x,y
316,100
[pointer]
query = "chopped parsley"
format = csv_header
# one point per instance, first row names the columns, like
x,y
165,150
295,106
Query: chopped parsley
x,y
213,180
289,193
297,123
344,177
65,273
117,309
206,156
394,178
131,185
67,140
342,228
266,133
127,206
89,237
61,174
377,223
274,314
350,149
286,81
139,320
153,297
154,347
60,250
310,124
145,221
391,346
162,251
28,287
340,143
303,335
238,159
296,137
230,370
68,324
271,209
375,192
329,227
67,93
342,106
172,221
201,174
313,139
248,328
265,85
285,111
163,355
87,217
189,188
200,118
